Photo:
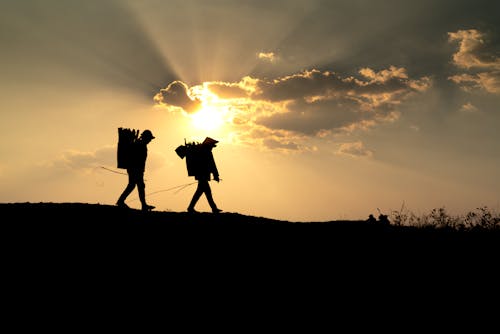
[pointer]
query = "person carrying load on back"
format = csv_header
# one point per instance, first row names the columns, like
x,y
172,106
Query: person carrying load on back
x,y
201,164
134,160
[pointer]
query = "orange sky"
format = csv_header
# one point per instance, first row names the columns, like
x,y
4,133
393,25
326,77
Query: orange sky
x,y
324,110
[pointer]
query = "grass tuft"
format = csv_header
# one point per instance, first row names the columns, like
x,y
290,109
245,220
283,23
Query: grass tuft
x,y
482,218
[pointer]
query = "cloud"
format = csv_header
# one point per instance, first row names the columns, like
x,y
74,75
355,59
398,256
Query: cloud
x,y
469,108
355,149
279,144
227,90
268,56
316,101
177,94
415,128
488,81
472,51
74,160
478,59
314,85
88,161
284,112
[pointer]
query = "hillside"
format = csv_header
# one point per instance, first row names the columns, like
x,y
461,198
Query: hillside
x,y
97,240
81,220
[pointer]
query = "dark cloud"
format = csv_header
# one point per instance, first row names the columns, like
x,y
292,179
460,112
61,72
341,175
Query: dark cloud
x,y
305,84
315,83
311,118
176,94
321,101
227,90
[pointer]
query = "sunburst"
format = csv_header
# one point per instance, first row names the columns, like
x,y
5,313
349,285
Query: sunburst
x,y
211,115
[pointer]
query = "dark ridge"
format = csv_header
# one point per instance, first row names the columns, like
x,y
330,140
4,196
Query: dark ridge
x,y
95,220
41,237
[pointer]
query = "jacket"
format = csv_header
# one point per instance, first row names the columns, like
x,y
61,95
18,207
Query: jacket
x,y
203,164
139,154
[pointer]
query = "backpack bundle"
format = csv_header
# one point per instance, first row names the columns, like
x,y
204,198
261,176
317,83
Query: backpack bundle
x,y
190,151
126,140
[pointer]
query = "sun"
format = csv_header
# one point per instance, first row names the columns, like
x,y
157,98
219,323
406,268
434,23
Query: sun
x,y
211,115
208,118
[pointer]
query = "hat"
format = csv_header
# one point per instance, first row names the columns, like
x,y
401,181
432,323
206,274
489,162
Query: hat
x,y
147,134
210,141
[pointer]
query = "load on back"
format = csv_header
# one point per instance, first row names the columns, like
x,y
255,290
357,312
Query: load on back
x,y
200,162
126,139
190,151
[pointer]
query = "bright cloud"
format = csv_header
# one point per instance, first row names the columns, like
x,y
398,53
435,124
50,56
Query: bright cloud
x,y
475,56
469,108
288,110
489,81
472,51
268,56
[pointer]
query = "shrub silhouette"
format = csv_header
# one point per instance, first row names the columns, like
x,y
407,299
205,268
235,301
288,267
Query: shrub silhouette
x,y
481,218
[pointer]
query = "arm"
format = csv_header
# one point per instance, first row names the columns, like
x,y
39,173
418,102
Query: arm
x,y
213,167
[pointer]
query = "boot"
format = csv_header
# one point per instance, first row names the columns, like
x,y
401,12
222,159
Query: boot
x,y
146,207
122,204
191,210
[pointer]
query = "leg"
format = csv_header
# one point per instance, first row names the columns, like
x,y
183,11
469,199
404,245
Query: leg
x,y
210,199
130,187
196,197
208,193
141,189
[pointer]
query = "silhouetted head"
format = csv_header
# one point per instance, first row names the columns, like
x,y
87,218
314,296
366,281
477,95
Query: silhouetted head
x,y
147,135
210,142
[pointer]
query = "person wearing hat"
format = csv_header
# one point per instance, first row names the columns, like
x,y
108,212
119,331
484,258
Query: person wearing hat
x,y
136,169
205,165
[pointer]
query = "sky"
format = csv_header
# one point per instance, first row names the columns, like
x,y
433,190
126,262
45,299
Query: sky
x,y
324,109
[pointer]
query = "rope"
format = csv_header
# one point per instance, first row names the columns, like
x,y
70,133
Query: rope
x,y
113,171
179,187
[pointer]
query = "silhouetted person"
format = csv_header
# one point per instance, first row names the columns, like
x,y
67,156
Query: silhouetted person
x,y
204,166
383,219
135,170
